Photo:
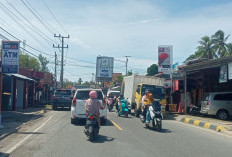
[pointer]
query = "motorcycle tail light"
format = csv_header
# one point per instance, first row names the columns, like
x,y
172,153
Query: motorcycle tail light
x,y
91,117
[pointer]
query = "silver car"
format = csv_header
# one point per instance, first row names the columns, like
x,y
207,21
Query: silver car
x,y
219,104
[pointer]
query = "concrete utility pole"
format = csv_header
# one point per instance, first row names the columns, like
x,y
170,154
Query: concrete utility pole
x,y
55,71
62,57
127,63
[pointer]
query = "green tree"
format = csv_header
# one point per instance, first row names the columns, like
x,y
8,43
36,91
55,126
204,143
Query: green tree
x,y
229,50
206,48
27,61
129,73
219,41
119,79
80,81
44,62
152,70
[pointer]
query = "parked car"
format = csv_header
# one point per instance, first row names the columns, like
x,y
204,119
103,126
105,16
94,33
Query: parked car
x,y
62,98
219,104
78,102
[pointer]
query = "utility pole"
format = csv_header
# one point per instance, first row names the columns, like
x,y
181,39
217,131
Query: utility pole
x,y
24,46
127,63
55,71
62,56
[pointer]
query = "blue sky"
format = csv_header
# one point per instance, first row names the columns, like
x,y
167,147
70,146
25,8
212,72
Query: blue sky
x,y
117,28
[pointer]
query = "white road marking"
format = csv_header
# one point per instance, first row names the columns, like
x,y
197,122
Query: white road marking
x,y
28,136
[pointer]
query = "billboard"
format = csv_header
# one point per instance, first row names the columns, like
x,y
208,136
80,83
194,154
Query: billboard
x,y
10,56
104,68
165,57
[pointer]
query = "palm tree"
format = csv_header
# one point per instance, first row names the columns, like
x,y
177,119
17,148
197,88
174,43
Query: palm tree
x,y
219,41
205,50
229,49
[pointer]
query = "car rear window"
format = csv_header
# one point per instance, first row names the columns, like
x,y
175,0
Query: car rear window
x,y
227,97
63,92
206,97
85,95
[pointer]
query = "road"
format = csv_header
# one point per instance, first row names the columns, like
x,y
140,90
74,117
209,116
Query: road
x,y
55,136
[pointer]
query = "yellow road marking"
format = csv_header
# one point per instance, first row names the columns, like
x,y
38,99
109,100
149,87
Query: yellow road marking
x,y
115,124
220,128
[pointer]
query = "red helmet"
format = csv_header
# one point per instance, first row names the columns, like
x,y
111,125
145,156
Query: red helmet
x,y
93,94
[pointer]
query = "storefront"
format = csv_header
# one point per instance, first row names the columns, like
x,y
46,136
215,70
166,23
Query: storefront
x,y
204,77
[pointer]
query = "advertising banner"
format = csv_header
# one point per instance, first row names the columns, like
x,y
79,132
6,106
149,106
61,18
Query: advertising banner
x,y
10,56
165,57
223,74
230,71
104,68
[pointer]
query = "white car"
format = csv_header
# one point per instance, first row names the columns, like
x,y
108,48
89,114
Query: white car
x,y
78,104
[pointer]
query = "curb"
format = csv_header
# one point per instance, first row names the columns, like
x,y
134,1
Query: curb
x,y
206,125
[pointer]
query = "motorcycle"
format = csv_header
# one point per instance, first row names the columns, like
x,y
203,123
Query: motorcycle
x,y
156,116
194,110
110,103
91,127
123,109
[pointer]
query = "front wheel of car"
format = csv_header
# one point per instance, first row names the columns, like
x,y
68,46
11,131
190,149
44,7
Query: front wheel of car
x,y
223,114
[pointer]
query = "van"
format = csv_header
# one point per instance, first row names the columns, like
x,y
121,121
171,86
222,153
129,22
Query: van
x,y
218,104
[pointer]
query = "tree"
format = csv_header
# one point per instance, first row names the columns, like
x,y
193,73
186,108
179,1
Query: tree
x,y
27,61
219,41
229,50
152,70
43,61
80,81
206,49
129,73
119,79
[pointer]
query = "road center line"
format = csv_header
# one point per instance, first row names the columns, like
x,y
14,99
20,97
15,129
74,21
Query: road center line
x,y
115,124
27,137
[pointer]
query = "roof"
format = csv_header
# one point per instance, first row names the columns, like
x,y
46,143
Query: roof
x,y
207,64
20,77
88,89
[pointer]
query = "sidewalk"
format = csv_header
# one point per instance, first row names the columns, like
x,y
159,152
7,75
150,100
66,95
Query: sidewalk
x,y
13,120
207,122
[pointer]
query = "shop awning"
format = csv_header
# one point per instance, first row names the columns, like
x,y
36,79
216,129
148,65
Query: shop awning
x,y
20,77
207,64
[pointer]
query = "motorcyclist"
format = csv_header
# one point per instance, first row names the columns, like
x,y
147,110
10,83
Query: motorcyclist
x,y
147,101
93,105
118,102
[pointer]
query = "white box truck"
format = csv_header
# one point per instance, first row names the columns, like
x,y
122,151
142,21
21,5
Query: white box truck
x,y
135,86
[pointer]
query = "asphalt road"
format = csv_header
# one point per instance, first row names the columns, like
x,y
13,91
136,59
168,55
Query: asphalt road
x,y
57,137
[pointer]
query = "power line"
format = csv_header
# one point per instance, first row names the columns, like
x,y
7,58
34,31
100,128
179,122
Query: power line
x,y
25,44
54,17
42,17
36,16
38,30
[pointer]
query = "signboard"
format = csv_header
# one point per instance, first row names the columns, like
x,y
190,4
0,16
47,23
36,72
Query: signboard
x,y
167,83
165,56
230,71
178,76
223,74
10,56
104,69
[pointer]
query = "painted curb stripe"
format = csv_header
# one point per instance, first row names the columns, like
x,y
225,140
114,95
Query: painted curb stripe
x,y
187,120
207,125
196,122
202,124
191,121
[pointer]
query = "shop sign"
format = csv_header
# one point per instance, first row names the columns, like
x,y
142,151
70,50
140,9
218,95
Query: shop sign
x,y
165,57
223,74
10,56
177,76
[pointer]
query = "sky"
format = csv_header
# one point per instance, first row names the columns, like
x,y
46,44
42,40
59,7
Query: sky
x,y
114,28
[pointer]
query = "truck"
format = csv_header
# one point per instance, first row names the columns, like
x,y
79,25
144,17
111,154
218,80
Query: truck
x,y
134,87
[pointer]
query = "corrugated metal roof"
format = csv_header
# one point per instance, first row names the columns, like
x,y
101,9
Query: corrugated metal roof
x,y
20,76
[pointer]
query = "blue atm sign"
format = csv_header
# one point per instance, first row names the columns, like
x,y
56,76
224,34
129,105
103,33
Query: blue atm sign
x,y
10,56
